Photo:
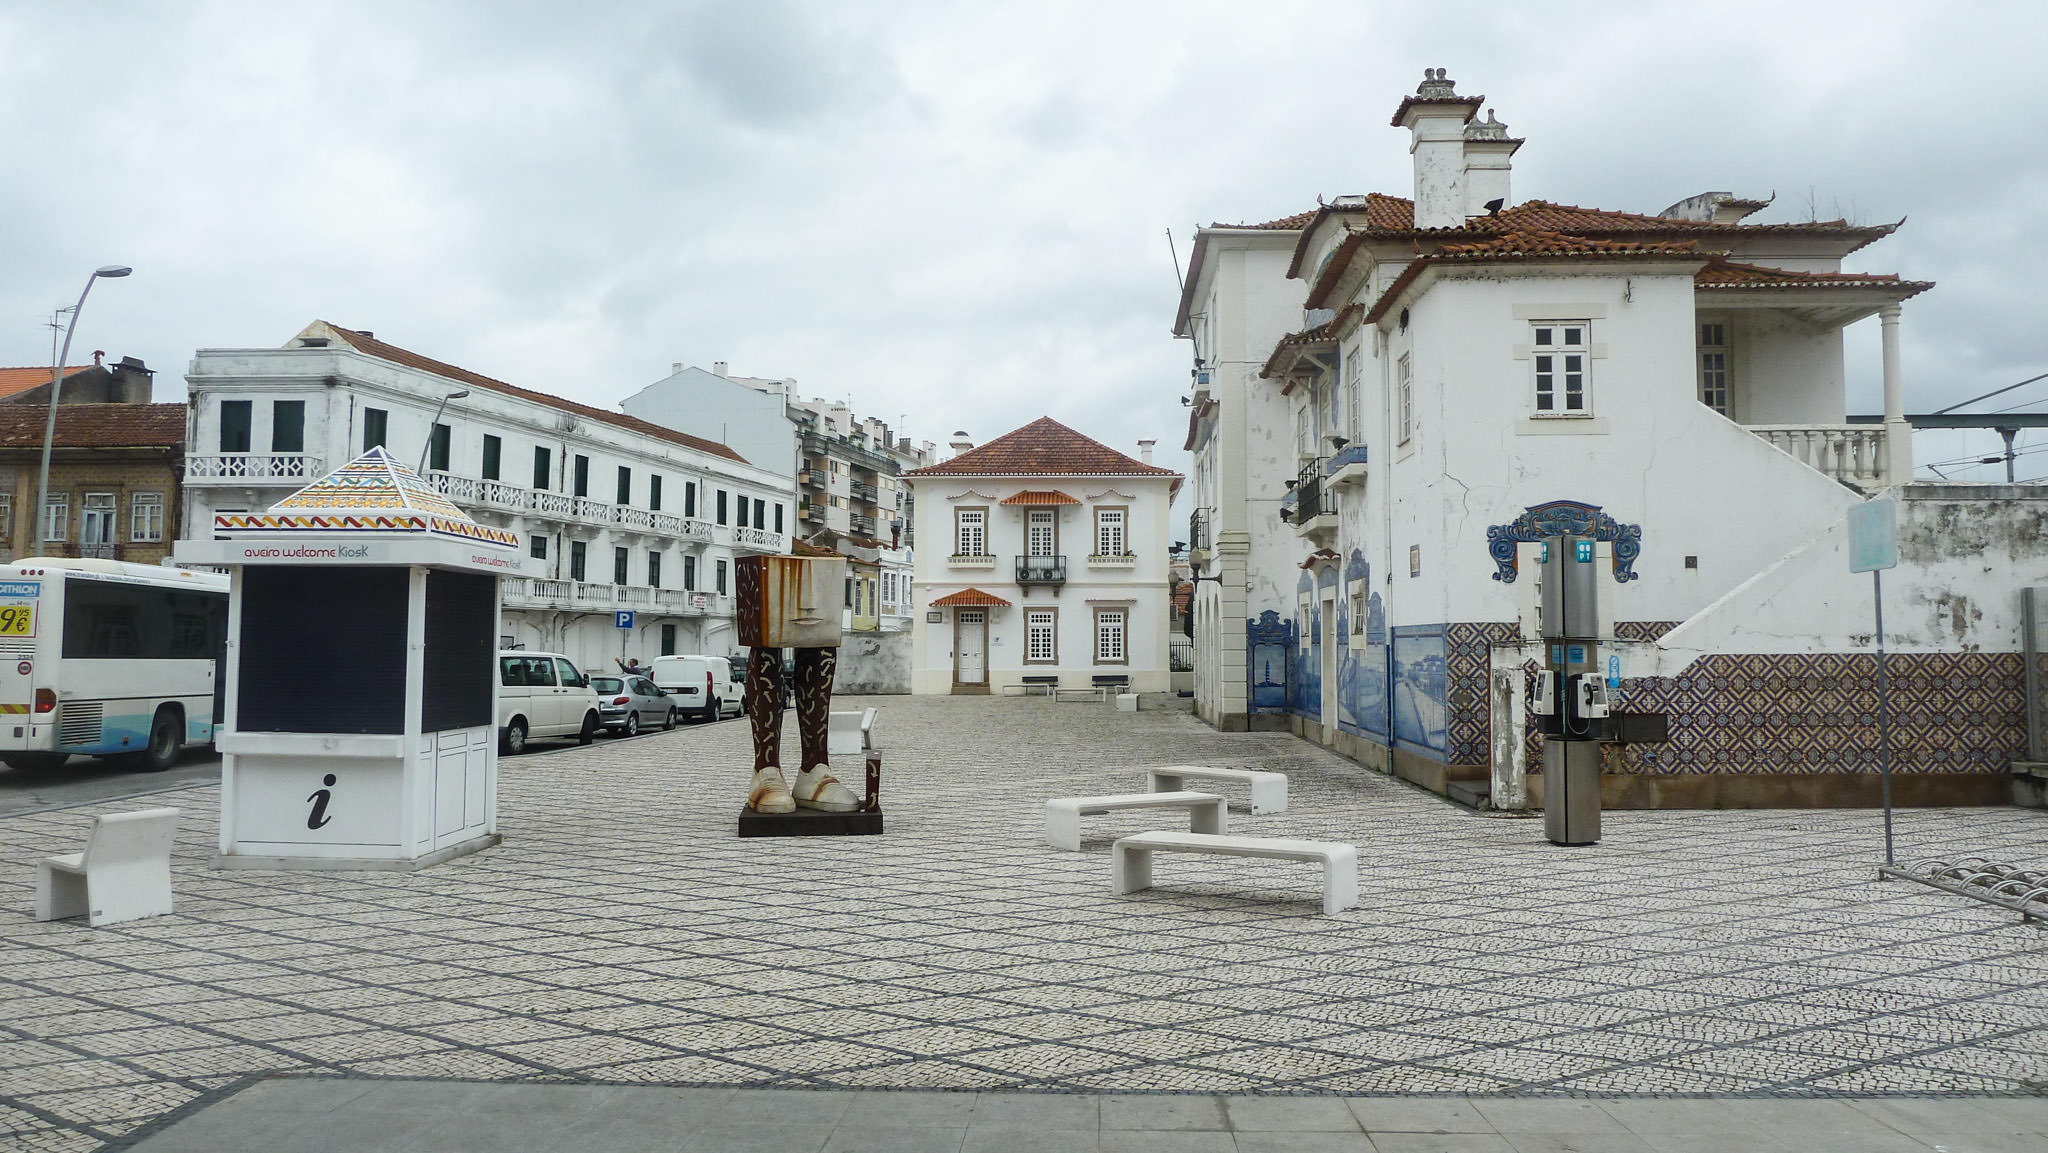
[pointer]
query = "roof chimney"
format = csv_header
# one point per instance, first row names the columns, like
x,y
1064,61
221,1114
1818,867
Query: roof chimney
x,y
1436,115
1487,152
1145,451
675,367
960,443
718,368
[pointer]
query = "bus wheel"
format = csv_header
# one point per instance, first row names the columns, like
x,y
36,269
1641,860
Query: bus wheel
x,y
34,762
166,742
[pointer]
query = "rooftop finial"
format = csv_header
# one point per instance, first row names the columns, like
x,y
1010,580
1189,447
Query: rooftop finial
x,y
1435,86
1487,129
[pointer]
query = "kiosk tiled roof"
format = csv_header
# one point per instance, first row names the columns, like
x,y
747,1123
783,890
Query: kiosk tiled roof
x,y
1045,447
371,494
369,345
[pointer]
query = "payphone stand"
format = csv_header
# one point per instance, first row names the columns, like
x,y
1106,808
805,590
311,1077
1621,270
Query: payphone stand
x,y
1571,697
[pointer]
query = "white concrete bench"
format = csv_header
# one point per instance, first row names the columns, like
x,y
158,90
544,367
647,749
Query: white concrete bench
x,y
123,874
1269,790
849,733
1131,860
1207,813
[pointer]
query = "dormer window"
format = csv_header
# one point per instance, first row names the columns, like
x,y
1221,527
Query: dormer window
x,y
1558,355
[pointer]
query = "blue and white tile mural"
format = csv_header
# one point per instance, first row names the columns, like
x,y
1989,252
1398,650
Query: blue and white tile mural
x,y
1362,660
1305,684
1418,693
1268,649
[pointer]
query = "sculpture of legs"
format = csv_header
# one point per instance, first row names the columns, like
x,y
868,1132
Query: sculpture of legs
x,y
770,793
816,787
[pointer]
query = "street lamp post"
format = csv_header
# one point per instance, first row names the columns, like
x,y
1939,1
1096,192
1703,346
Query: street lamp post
x,y
432,424
111,271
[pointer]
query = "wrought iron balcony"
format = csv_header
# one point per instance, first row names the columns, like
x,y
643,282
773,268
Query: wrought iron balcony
x,y
1041,570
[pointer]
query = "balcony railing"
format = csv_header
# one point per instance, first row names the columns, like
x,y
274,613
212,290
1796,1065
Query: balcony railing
x,y
536,593
242,467
812,477
861,525
1851,453
1113,560
760,539
865,493
503,497
971,560
1041,570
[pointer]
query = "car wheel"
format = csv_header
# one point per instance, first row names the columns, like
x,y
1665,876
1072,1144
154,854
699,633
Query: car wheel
x,y
715,711
632,724
34,762
669,722
166,742
513,741
589,732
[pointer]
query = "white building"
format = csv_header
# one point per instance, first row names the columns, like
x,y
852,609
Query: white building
x,y
1404,394
622,515
848,470
1045,555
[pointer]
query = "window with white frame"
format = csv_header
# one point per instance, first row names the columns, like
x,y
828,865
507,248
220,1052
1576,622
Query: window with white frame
x,y
57,517
1109,636
970,532
1558,354
146,517
6,518
1109,533
1305,428
1714,366
1404,397
1354,397
1041,636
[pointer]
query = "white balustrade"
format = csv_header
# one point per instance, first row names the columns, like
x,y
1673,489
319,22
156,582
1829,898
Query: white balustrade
x,y
1850,453
230,467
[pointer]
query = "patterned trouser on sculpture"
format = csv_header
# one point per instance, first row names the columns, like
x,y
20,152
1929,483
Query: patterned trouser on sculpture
x,y
791,601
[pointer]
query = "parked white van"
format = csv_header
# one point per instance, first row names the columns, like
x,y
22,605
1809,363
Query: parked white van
x,y
543,695
702,686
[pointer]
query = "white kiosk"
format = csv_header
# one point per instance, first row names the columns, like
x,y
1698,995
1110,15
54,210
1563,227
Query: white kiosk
x,y
362,691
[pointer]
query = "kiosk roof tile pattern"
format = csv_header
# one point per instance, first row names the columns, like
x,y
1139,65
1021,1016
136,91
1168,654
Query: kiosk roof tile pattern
x,y
371,494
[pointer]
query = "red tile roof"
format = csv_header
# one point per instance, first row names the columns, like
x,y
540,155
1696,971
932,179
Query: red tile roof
x,y
1040,497
14,381
1284,224
970,598
1045,447
369,345
1393,218
1728,274
1532,246
94,425
1325,332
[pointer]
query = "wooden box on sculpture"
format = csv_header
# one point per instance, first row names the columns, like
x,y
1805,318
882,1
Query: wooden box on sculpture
x,y
792,602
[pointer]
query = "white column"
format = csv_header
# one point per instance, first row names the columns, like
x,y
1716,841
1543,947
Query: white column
x,y
1898,435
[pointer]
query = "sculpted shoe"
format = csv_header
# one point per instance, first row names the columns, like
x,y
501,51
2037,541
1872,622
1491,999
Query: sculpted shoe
x,y
770,794
817,789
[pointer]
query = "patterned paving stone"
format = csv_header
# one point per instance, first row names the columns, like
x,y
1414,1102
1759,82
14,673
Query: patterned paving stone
x,y
623,934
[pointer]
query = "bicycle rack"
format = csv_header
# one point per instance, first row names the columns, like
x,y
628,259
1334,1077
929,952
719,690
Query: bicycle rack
x,y
2024,891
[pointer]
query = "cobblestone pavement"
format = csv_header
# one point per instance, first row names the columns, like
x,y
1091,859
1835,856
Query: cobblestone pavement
x,y
622,934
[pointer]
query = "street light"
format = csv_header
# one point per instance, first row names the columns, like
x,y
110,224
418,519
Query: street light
x,y
111,272
433,424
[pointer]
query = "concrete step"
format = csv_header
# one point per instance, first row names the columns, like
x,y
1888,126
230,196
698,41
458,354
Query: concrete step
x,y
1471,794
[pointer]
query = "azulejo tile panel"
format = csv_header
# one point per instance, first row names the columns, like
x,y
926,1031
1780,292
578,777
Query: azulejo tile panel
x,y
1762,713
1468,657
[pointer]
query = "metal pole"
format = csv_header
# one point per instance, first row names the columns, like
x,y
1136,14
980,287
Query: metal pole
x,y
1884,734
50,425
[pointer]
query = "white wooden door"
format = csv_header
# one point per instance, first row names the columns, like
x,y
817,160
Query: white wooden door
x,y
970,663
1038,533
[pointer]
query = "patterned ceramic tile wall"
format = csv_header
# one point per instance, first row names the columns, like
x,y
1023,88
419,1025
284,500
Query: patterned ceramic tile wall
x,y
1468,658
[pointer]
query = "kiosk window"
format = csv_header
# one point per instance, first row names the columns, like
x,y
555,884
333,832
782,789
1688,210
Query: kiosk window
x,y
461,636
338,670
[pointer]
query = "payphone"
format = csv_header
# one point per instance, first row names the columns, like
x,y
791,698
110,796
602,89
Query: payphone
x,y
1571,696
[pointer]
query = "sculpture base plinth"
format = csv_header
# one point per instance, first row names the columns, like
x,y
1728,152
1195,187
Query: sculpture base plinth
x,y
810,823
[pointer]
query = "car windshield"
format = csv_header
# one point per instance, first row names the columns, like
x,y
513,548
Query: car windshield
x,y
606,684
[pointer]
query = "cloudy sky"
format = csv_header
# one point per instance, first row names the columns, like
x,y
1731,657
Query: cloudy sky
x,y
953,215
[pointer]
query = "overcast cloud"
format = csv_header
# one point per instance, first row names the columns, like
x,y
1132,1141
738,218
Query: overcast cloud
x,y
952,215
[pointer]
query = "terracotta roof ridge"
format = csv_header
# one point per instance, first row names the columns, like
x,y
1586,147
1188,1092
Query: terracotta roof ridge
x,y
369,345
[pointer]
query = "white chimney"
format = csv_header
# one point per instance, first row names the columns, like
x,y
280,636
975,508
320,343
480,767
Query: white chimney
x,y
960,442
718,368
1487,152
1436,115
675,367
1145,451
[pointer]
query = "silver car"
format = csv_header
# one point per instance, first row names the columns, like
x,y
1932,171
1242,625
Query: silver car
x,y
627,704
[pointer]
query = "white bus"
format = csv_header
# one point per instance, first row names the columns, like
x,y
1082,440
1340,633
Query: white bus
x,y
104,659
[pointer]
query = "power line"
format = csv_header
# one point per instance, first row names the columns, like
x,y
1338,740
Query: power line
x,y
1992,393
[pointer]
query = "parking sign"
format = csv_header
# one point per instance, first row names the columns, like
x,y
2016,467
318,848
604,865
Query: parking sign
x,y
625,620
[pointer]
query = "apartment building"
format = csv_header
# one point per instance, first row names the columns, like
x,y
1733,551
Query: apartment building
x,y
636,526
